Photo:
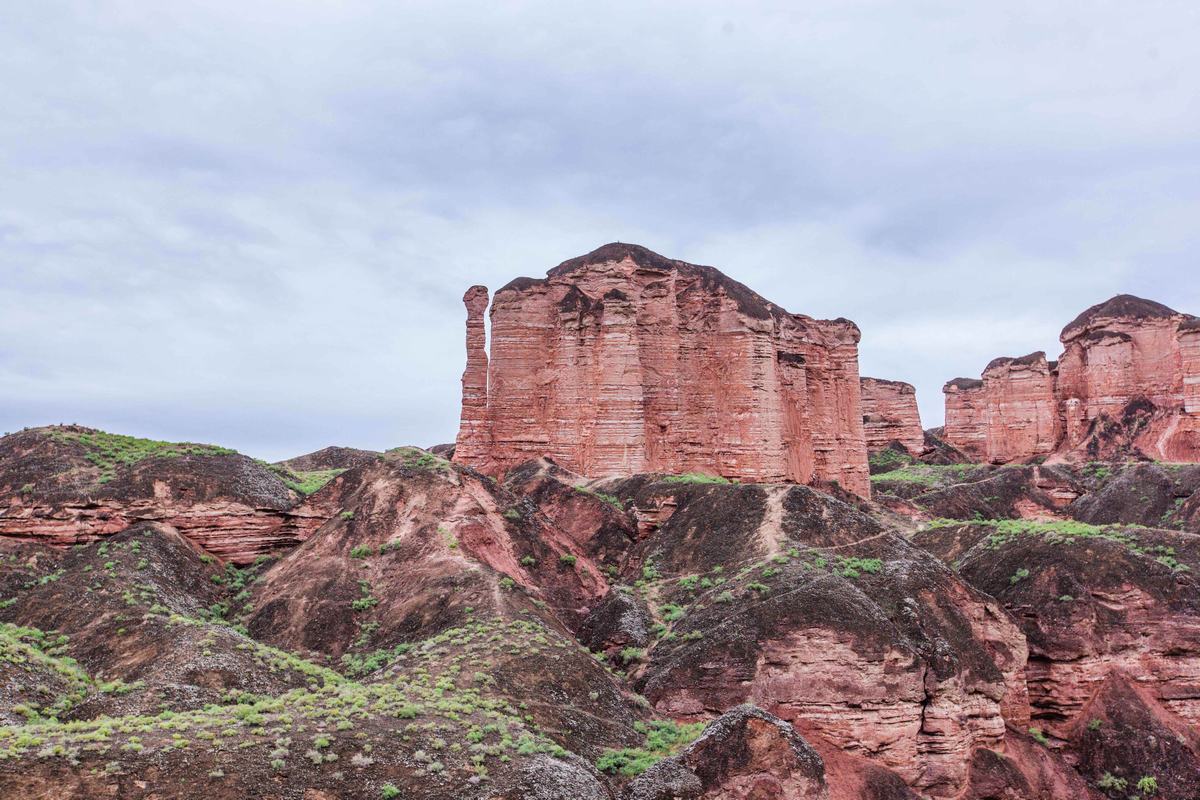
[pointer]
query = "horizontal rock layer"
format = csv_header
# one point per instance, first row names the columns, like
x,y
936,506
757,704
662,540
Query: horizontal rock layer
x,y
890,415
1127,383
623,361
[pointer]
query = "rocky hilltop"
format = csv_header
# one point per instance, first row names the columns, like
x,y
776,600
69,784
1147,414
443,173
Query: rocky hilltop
x,y
68,484
1127,384
622,361
981,632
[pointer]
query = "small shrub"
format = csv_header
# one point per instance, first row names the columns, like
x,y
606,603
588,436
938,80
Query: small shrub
x,y
1148,785
1038,736
567,559
362,551
347,515
1018,576
389,791
694,477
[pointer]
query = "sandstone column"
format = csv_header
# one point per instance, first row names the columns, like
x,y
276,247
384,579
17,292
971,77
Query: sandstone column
x,y
473,444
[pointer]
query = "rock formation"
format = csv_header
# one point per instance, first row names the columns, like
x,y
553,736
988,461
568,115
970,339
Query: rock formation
x,y
623,361
1127,384
65,485
890,415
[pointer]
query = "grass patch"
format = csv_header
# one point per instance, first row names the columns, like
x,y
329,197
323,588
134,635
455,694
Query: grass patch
x,y
662,739
110,452
694,477
930,475
615,502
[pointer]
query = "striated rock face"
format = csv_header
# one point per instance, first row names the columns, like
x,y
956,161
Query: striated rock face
x,y
965,427
623,361
814,612
890,415
1124,733
745,754
1089,600
1127,384
67,485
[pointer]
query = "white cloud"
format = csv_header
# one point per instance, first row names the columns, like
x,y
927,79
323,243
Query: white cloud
x,y
252,223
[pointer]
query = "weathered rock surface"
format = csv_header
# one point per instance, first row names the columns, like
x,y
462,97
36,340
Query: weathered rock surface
x,y
890,415
1023,770
331,458
1089,601
1126,385
745,754
1154,495
810,609
1125,734
66,484
622,361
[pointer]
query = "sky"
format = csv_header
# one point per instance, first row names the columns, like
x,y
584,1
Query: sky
x,y
251,223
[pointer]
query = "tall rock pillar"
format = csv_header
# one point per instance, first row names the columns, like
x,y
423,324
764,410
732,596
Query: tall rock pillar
x,y
474,432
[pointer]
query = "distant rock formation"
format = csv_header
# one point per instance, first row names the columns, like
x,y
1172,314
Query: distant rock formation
x,y
1127,384
890,415
623,361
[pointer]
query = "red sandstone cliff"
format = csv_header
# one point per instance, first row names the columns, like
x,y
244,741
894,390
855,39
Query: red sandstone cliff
x,y
1127,383
890,415
623,361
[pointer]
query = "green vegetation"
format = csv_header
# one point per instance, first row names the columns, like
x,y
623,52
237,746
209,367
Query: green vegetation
x,y
1111,783
1039,737
389,791
362,551
304,482
1056,532
694,477
927,474
853,566
416,458
663,739
366,600
1147,785
615,502
566,559
437,696
112,451
887,460
1018,576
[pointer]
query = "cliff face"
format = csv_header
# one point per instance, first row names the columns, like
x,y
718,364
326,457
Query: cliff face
x,y
1127,383
68,485
622,361
890,415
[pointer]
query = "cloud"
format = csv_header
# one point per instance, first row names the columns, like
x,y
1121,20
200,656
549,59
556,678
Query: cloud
x,y
252,223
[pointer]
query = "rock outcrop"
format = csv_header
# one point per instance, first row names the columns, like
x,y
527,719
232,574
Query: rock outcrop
x,y
1090,600
784,597
67,485
623,361
890,415
1127,384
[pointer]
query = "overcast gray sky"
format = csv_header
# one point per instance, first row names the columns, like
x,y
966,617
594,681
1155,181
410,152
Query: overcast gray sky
x,y
252,222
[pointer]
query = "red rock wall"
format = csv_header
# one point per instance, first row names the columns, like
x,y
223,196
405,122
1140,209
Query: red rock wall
x,y
623,361
890,414
1020,412
966,406
1121,352
229,530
